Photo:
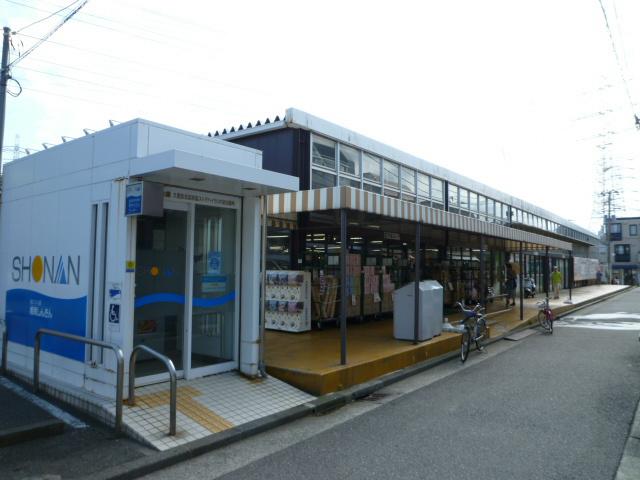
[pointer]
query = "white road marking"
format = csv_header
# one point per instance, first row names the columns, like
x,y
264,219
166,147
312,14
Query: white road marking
x,y
52,409
631,326
606,316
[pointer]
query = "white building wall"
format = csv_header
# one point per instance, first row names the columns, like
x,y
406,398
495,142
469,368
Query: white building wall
x,y
250,287
47,212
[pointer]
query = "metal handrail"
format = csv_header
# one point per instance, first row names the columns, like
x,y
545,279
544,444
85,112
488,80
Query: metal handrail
x,y
5,346
99,343
172,378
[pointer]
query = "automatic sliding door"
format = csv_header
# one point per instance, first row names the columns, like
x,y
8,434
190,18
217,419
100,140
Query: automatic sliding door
x,y
214,296
160,289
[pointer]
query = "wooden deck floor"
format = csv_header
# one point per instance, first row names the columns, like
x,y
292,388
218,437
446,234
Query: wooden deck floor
x,y
311,360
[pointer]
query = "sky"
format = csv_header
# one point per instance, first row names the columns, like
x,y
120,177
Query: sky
x,y
524,96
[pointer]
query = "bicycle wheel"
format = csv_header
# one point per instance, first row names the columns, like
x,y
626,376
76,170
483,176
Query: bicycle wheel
x,y
465,343
543,320
480,333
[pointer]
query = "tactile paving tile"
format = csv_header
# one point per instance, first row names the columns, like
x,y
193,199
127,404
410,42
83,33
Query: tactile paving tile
x,y
207,406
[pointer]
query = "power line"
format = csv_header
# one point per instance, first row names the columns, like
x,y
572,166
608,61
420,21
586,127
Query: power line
x,y
617,57
46,37
121,89
198,106
136,26
138,63
45,18
92,72
119,30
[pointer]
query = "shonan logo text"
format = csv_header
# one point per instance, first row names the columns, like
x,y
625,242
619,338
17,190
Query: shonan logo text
x,y
46,269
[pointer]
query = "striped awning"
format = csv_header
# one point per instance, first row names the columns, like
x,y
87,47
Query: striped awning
x,y
334,198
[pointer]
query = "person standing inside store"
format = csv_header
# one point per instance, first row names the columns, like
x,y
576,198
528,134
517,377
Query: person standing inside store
x,y
556,281
511,285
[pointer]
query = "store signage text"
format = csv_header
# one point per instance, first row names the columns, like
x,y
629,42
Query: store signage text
x,y
53,269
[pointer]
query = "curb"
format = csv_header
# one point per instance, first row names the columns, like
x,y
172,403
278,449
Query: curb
x,y
319,406
44,428
629,465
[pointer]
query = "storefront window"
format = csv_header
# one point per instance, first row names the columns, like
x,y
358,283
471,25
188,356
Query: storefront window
x,y
423,185
408,180
437,190
371,188
391,174
324,153
391,193
348,182
349,160
370,167
491,205
321,179
482,204
473,201
453,198
464,199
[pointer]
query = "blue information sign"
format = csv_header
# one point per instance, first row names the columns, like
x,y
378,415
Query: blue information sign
x,y
133,204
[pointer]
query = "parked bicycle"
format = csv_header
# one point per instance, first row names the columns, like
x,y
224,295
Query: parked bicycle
x,y
545,315
475,330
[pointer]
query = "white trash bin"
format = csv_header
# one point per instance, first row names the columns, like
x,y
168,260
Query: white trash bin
x,y
430,311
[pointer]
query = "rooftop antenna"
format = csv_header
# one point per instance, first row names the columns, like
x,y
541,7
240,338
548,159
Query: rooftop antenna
x,y
88,131
113,123
66,139
47,145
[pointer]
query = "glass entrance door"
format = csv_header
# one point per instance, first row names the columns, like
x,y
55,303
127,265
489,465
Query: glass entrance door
x,y
159,306
185,291
213,313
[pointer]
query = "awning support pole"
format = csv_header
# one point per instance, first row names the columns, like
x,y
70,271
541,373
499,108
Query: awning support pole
x,y
418,273
343,286
570,274
263,289
521,284
483,272
545,271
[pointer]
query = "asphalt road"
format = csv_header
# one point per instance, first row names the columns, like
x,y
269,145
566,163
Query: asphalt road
x,y
546,407
75,453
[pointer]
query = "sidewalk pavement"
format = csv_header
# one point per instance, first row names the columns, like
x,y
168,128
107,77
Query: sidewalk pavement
x,y
629,468
81,447
99,454
22,420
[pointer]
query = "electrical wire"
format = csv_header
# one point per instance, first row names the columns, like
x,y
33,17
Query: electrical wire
x,y
198,106
617,57
91,72
45,18
47,36
119,30
136,26
14,94
138,63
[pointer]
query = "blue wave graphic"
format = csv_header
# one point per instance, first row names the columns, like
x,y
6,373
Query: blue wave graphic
x,y
27,311
180,299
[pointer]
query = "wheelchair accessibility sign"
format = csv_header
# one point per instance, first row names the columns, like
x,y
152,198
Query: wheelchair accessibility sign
x,y
114,314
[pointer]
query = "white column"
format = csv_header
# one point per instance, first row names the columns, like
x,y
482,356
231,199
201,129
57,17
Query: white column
x,y
250,287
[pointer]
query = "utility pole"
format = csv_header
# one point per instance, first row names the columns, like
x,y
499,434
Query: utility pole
x,y
4,78
607,223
